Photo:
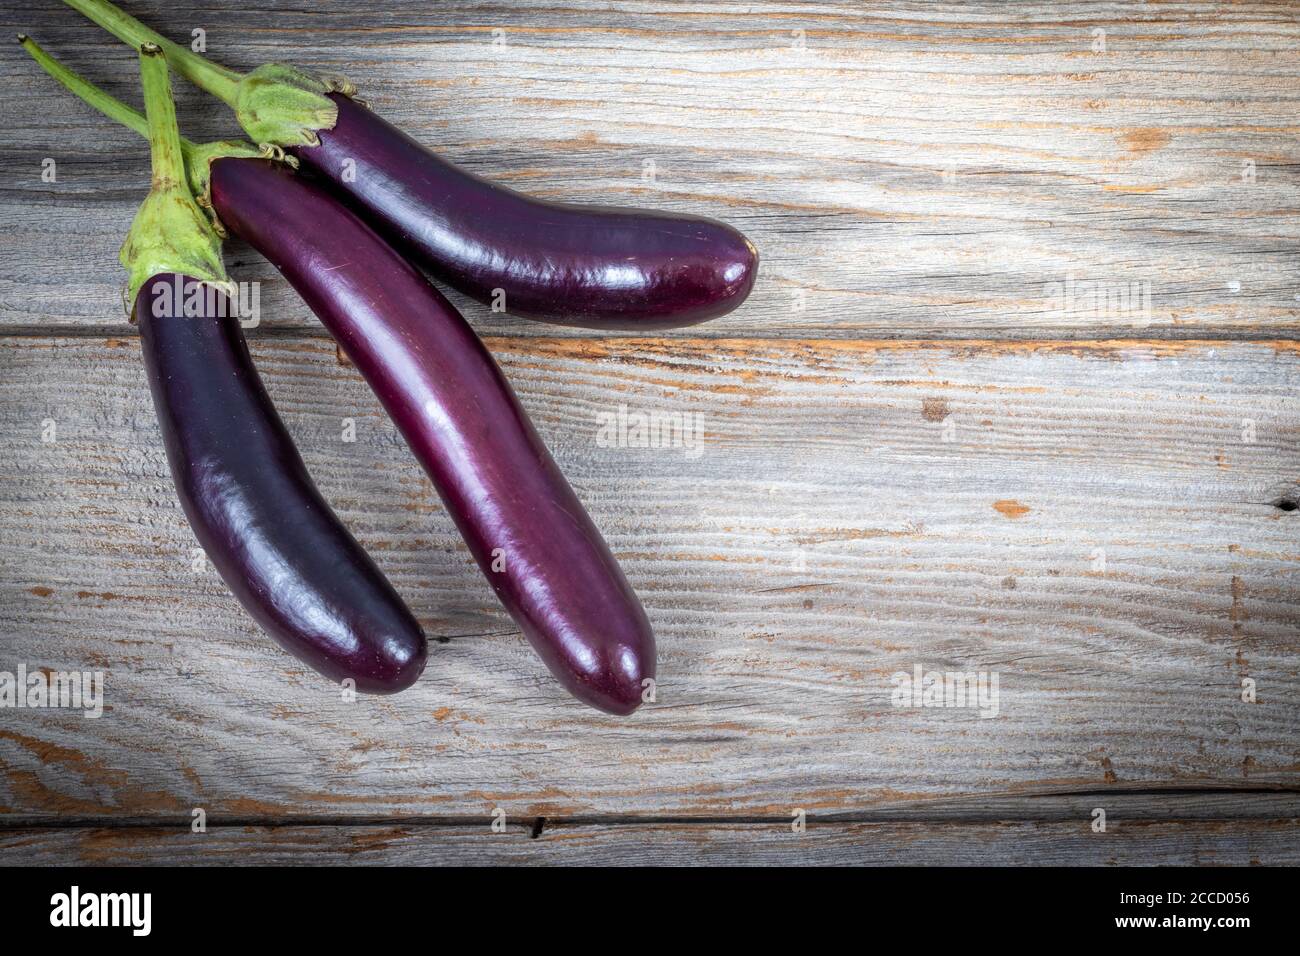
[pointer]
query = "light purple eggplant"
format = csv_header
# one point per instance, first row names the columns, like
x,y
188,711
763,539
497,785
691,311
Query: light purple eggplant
x,y
524,525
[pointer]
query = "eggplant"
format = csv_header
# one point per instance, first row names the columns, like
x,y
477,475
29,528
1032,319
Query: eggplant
x,y
243,486
252,505
592,266
603,267
523,524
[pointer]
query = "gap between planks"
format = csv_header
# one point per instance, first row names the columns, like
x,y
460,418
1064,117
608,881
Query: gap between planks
x,y
1162,344
878,339
1074,843
1264,800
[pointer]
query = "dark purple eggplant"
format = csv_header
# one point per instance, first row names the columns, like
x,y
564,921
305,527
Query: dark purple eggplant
x,y
252,505
601,267
243,486
593,266
524,525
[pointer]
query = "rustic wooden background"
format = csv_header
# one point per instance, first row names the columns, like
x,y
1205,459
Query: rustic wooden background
x,y
915,451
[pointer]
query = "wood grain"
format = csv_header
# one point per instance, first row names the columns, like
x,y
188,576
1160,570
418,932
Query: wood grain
x,y
825,538
907,170
1012,843
915,447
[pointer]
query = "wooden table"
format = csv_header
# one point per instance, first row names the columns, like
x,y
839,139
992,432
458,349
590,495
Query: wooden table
x,y
1016,393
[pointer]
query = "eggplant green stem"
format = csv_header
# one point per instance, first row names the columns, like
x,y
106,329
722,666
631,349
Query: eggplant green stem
x,y
170,233
275,103
198,156
160,111
206,75
90,94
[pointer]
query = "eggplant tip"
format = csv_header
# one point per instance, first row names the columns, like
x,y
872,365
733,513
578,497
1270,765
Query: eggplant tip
x,y
409,671
739,270
618,683
399,668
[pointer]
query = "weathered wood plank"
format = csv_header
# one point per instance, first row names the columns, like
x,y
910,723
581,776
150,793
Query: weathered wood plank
x,y
1099,523
1201,843
1188,801
907,170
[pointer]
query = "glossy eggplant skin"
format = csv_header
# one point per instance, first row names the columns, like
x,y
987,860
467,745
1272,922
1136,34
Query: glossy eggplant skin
x,y
522,522
593,266
254,508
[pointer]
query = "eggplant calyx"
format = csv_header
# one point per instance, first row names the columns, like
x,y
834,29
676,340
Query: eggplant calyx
x,y
338,83
199,158
342,85
170,233
284,106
